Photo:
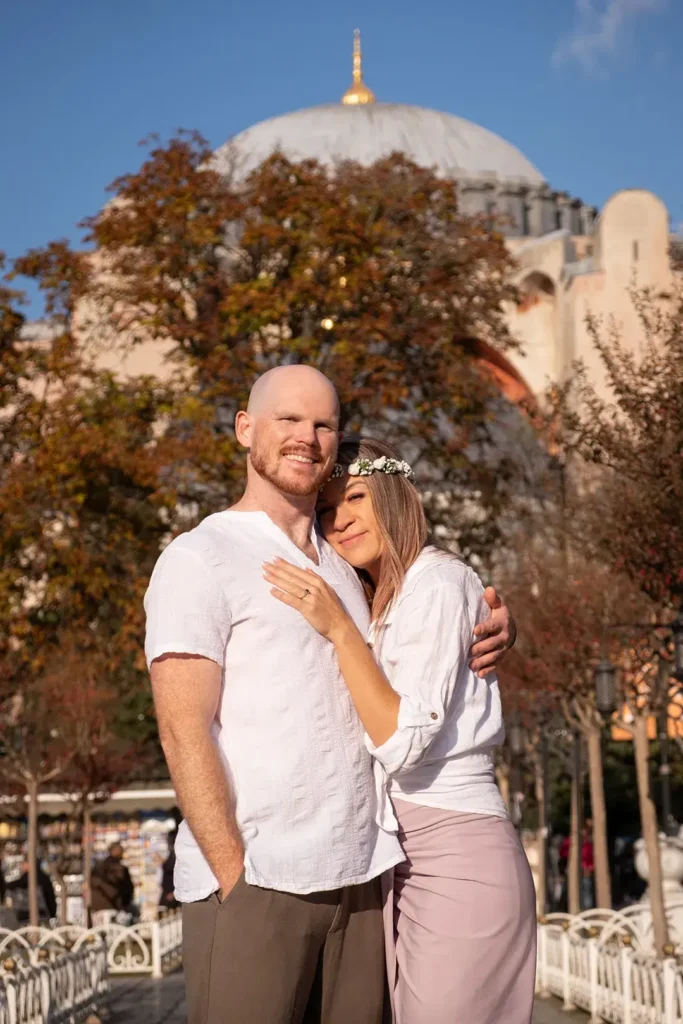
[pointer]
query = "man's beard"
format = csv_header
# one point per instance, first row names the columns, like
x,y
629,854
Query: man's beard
x,y
277,475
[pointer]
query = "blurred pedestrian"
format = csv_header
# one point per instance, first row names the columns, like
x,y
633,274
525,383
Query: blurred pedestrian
x,y
8,918
111,884
18,891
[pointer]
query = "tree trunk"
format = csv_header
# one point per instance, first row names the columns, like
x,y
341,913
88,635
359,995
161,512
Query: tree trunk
x,y
503,780
603,885
648,819
87,863
58,871
574,860
541,839
32,853
59,878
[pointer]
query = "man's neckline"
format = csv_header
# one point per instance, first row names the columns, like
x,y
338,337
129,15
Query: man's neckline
x,y
315,537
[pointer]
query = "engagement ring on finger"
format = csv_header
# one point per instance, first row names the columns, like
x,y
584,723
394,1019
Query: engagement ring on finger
x,y
305,593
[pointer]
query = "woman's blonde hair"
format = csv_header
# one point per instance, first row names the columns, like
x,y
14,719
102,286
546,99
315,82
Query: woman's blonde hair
x,y
400,515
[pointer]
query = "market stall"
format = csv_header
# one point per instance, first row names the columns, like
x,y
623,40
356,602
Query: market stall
x,y
140,819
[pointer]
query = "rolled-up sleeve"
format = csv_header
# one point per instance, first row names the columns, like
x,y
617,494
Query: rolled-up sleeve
x,y
185,605
433,630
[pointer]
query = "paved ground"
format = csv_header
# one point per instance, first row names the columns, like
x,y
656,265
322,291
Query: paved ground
x,y
143,1001
162,1002
549,1011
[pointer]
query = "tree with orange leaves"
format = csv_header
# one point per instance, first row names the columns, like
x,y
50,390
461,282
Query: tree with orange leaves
x,y
370,274
631,437
96,472
58,727
565,603
627,510
89,490
561,606
101,757
32,754
530,702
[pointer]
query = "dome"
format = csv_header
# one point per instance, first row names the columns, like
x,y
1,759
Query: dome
x,y
366,132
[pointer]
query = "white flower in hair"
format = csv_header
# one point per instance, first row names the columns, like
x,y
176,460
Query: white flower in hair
x,y
366,467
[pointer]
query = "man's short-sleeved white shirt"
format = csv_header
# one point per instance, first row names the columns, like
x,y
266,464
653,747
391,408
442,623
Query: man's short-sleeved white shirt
x,y
290,738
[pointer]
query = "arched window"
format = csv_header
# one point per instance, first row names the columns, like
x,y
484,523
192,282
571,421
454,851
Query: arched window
x,y
536,289
498,367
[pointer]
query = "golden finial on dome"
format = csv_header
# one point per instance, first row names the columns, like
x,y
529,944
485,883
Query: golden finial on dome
x,y
359,92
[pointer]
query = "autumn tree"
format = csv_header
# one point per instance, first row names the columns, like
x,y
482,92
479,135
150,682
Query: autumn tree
x,y
32,754
529,703
371,274
565,604
626,446
632,438
91,485
102,757
89,492
648,685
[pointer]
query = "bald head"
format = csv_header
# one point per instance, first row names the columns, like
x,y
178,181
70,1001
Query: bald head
x,y
291,428
276,385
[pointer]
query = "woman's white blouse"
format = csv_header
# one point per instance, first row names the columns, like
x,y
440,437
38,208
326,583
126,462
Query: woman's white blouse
x,y
449,720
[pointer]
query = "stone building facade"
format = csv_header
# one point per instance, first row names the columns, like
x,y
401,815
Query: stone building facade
x,y
572,258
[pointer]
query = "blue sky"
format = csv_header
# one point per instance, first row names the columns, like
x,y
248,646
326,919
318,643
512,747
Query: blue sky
x,y
589,90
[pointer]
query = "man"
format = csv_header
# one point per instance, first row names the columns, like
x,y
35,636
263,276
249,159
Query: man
x,y
279,856
110,882
18,889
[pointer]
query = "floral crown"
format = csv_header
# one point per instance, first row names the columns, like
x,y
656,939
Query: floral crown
x,y
366,467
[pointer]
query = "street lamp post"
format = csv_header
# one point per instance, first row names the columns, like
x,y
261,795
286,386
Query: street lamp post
x,y
605,704
668,823
605,687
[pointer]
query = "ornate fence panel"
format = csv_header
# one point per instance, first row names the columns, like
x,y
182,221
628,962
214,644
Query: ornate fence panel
x,y
603,962
170,943
53,986
151,947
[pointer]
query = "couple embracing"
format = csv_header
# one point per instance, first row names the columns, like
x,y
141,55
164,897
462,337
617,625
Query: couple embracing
x,y
330,739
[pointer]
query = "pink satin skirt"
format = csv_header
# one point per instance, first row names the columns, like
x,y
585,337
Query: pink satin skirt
x,y
460,921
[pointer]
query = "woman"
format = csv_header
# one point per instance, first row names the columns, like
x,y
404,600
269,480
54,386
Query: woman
x,y
461,945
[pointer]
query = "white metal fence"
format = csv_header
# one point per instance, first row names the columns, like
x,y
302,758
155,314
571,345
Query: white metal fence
x,y
54,987
61,975
151,947
604,962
